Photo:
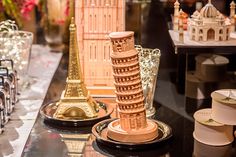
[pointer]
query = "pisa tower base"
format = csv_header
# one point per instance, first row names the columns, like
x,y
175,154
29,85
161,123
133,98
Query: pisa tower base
x,y
116,133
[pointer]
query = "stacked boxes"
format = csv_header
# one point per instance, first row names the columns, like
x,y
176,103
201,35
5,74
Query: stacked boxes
x,y
215,126
211,74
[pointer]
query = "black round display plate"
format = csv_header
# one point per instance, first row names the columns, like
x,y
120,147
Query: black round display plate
x,y
47,112
99,130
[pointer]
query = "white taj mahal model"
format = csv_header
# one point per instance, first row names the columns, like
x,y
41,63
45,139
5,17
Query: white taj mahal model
x,y
208,24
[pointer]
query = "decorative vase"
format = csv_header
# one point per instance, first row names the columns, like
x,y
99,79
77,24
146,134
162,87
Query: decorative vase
x,y
149,60
16,45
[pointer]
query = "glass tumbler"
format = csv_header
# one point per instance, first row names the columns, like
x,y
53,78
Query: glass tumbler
x,y
22,59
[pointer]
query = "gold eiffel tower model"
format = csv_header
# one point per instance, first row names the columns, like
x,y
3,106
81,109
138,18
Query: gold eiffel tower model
x,y
75,102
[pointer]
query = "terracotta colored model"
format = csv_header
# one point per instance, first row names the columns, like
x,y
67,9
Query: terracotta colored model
x,y
132,125
75,102
232,16
95,20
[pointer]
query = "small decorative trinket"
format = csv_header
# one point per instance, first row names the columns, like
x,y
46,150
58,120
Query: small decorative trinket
x,y
132,128
76,106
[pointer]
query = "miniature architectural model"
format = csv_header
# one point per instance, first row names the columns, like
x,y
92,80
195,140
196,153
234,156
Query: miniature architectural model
x,y
132,125
232,16
209,24
75,102
176,16
95,20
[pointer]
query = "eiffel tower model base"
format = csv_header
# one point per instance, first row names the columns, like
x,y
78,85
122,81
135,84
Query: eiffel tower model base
x,y
76,108
74,115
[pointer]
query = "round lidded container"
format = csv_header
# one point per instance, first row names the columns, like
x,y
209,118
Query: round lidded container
x,y
224,106
204,150
210,132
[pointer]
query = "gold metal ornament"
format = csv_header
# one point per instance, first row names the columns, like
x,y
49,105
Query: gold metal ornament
x,y
75,102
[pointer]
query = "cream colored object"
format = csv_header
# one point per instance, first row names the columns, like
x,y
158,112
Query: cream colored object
x,y
196,88
211,67
208,25
210,132
203,150
224,106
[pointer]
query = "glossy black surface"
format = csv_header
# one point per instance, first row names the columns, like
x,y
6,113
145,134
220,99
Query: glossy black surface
x,y
172,108
47,111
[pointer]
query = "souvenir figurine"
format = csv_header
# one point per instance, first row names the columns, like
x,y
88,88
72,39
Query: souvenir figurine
x,y
76,106
208,24
132,126
95,20
132,129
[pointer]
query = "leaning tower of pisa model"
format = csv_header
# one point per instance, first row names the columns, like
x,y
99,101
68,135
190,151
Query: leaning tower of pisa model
x,y
132,125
